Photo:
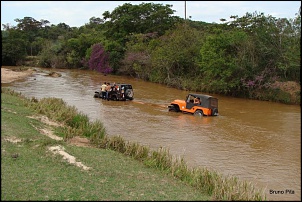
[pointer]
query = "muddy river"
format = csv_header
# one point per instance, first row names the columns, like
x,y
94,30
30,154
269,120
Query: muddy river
x,y
257,141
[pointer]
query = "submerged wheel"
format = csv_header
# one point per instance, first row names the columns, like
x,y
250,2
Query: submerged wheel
x,y
113,97
215,112
96,95
198,113
173,108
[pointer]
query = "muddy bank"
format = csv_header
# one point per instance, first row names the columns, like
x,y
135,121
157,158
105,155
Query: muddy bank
x,y
8,75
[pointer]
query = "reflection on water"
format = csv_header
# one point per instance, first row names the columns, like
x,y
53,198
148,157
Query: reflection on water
x,y
254,140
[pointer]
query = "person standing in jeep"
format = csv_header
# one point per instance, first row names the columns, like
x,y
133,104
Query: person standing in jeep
x,y
103,90
108,89
115,87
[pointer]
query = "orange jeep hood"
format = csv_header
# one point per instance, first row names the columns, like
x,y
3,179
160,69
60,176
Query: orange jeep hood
x,y
179,102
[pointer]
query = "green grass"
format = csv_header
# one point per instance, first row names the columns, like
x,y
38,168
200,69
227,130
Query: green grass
x,y
38,174
120,170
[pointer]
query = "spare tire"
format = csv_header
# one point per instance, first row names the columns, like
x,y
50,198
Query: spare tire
x,y
129,93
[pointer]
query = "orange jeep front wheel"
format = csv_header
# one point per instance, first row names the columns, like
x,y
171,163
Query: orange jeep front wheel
x,y
198,112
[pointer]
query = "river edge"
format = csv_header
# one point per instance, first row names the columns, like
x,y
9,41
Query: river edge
x,y
11,73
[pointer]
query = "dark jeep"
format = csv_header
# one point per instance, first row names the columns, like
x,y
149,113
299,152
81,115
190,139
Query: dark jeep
x,y
118,92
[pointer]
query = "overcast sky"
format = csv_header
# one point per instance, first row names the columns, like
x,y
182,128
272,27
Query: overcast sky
x,y
78,13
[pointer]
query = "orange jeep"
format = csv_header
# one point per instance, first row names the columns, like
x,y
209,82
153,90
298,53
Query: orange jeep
x,y
207,105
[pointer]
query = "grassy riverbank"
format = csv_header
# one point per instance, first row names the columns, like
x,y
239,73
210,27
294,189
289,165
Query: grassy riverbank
x,y
38,161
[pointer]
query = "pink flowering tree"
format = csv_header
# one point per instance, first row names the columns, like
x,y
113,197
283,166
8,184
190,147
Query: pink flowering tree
x,y
99,60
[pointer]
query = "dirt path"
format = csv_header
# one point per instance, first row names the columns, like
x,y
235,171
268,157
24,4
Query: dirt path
x,y
8,75
58,149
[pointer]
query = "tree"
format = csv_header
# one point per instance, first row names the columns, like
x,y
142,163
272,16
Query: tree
x,y
219,61
99,60
97,21
137,60
135,19
13,47
290,64
30,27
176,54
76,48
276,43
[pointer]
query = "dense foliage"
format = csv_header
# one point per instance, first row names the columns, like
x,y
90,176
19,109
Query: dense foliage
x,y
99,60
244,56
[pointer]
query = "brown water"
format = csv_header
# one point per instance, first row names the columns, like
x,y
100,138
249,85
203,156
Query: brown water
x,y
256,141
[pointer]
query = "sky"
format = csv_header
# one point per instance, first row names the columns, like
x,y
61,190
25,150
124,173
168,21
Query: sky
x,y
78,13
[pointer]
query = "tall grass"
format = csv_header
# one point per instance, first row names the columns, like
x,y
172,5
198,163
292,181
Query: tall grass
x,y
210,182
